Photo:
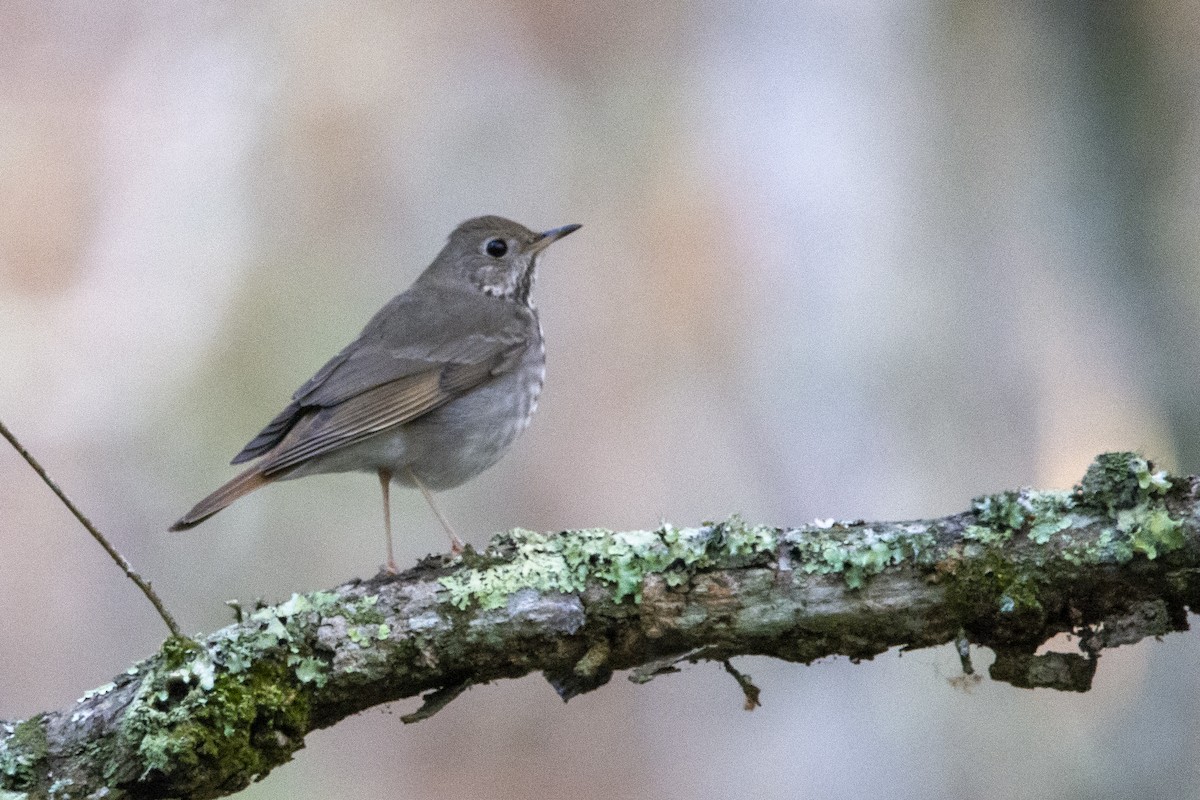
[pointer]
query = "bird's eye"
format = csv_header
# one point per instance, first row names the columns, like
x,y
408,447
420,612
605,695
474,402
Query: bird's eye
x,y
495,248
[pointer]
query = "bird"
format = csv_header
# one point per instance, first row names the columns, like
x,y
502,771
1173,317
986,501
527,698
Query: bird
x,y
433,390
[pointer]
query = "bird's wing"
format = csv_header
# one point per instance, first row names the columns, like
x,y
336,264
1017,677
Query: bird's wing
x,y
271,435
425,355
376,410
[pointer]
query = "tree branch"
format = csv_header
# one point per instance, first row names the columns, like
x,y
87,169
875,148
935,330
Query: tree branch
x,y
1113,561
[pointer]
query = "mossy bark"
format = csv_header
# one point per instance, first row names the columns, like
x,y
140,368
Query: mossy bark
x,y
1113,561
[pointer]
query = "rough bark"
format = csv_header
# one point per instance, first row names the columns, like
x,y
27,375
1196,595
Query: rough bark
x,y
1113,561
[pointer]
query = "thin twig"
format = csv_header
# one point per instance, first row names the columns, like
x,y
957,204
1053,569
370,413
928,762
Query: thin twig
x,y
132,574
748,688
435,701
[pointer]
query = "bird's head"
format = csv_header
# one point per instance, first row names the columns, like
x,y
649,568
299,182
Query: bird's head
x,y
493,255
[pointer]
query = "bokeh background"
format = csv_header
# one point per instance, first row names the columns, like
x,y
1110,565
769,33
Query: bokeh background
x,y
840,259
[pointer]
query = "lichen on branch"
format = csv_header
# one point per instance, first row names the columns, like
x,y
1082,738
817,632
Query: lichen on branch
x,y
1111,561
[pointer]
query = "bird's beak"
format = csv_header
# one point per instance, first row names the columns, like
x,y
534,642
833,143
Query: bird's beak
x,y
544,240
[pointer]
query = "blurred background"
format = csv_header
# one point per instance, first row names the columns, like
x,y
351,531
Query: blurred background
x,y
839,259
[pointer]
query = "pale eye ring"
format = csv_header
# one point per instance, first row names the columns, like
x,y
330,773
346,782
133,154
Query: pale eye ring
x,y
496,248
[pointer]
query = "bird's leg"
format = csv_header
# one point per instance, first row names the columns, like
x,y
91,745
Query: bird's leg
x,y
385,481
456,544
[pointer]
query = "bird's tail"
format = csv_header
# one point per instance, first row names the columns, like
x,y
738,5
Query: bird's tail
x,y
243,484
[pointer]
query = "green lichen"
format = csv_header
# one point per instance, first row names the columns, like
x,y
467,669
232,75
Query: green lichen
x,y
299,607
363,611
1120,480
1126,488
990,537
1122,492
566,563
237,728
991,580
856,553
281,632
523,559
1150,531
1043,531
1004,511
238,707
989,574
177,652
22,753
310,670
1119,486
366,635
1041,514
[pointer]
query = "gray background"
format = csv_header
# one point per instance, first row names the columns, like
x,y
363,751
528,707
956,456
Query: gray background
x,y
840,259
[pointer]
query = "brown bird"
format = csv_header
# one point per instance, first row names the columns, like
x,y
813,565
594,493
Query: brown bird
x,y
431,393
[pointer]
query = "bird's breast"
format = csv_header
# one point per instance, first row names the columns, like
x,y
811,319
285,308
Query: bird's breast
x,y
456,442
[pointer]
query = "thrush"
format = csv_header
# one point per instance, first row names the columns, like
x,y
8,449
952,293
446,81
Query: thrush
x,y
431,393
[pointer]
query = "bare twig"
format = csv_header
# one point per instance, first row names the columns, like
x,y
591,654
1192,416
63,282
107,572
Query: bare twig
x,y
748,688
112,551
435,701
